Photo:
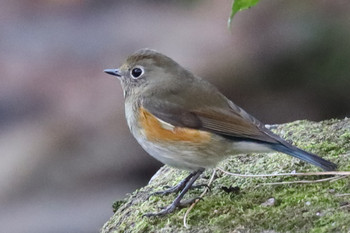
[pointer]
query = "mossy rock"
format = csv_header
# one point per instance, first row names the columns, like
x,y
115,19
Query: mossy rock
x,y
237,204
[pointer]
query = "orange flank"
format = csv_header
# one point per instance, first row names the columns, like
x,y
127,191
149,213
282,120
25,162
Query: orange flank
x,y
155,130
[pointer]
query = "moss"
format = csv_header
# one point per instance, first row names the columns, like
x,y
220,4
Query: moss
x,y
313,207
117,204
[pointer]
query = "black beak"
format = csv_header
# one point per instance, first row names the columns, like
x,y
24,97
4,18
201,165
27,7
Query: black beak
x,y
115,72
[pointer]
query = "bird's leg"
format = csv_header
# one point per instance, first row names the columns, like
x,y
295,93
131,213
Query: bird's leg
x,y
177,188
177,202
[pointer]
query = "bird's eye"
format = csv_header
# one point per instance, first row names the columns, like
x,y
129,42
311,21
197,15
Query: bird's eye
x,y
136,72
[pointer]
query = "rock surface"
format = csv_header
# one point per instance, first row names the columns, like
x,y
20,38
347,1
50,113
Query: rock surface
x,y
313,207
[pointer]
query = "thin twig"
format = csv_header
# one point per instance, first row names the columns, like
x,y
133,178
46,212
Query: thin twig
x,y
201,196
342,194
306,181
342,173
345,206
338,178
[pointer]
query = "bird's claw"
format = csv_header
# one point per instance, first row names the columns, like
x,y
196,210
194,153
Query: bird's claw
x,y
169,209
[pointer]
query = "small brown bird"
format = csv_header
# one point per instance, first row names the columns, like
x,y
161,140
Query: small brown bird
x,y
185,122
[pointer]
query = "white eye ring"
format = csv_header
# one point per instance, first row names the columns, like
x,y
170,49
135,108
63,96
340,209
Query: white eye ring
x,y
136,72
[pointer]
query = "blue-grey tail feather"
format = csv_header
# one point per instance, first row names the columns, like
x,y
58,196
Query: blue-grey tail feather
x,y
305,156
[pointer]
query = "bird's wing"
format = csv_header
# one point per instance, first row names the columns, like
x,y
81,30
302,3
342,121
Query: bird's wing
x,y
230,122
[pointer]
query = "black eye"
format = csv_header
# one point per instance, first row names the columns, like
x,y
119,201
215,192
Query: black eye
x,y
136,72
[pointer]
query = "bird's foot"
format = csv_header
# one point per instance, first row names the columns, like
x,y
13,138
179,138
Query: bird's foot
x,y
184,186
177,188
169,209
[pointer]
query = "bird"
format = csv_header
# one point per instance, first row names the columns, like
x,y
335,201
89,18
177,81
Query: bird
x,y
185,122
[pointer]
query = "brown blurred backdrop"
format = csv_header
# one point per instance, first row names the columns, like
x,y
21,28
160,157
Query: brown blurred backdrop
x,y
66,152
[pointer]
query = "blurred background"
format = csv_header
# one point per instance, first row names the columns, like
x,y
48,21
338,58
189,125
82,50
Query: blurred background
x,y
65,151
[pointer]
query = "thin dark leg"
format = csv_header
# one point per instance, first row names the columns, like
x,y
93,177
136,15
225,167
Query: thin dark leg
x,y
177,188
177,202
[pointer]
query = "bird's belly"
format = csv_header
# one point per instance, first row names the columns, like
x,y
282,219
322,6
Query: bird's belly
x,y
185,155
179,147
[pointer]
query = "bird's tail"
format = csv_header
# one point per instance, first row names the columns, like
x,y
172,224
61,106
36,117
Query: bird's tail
x,y
305,156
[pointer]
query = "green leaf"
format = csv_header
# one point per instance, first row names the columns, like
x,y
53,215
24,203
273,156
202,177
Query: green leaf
x,y
238,5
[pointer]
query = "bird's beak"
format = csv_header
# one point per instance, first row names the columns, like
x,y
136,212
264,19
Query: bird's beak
x,y
115,72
